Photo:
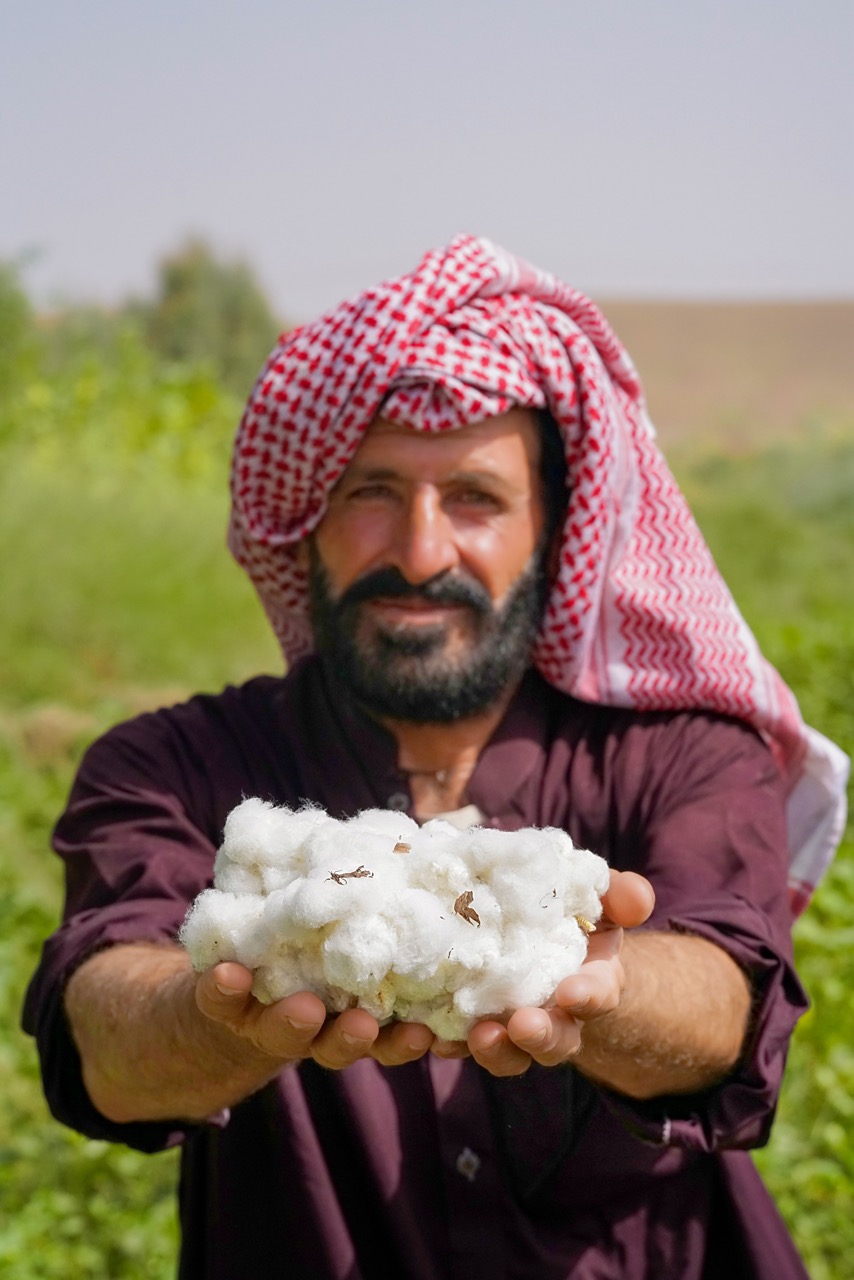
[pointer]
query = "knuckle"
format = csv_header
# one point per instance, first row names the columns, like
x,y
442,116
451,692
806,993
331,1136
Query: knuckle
x,y
324,1059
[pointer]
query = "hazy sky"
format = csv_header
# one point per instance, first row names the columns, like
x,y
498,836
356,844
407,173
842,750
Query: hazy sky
x,y
665,147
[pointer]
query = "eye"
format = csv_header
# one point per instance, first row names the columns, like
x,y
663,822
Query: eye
x,y
370,492
476,499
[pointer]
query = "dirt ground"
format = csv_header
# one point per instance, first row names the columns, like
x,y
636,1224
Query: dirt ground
x,y
741,374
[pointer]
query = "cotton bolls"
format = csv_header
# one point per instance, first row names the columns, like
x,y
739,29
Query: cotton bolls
x,y
425,924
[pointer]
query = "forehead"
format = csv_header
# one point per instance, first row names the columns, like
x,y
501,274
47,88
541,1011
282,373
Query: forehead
x,y
507,445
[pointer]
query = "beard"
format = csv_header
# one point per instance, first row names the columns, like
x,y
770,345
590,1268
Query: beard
x,y
413,673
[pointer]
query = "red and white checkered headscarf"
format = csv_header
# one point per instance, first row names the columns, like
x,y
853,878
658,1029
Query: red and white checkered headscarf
x,y
638,615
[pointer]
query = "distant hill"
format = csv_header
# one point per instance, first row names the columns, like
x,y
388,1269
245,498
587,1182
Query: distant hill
x,y
740,374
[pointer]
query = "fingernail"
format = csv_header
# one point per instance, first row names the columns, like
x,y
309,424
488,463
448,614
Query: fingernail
x,y
354,1041
443,1049
300,1026
535,1039
228,991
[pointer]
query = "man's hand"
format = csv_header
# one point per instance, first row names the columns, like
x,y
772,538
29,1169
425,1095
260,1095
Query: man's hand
x,y
552,1036
648,1013
159,1042
299,1027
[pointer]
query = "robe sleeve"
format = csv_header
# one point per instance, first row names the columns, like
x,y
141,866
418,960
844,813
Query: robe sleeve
x,y
709,832
136,851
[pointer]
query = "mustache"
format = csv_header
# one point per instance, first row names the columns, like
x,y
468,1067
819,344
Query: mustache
x,y
445,588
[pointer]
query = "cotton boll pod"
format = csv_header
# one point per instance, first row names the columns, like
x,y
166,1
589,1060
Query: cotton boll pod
x,y
587,879
577,877
244,838
305,906
437,862
261,834
424,934
501,988
441,829
388,823
515,978
290,973
287,833
526,883
483,915
489,912
235,877
357,955
546,957
443,1019
476,941
359,865
220,926
486,849
281,929
332,845
274,878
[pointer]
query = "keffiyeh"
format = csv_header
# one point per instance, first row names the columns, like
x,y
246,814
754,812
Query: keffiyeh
x,y
638,614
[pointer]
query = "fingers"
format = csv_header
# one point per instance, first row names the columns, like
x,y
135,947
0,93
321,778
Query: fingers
x,y
299,1026
450,1049
491,1047
286,1029
549,1036
222,993
629,900
345,1039
401,1042
595,990
553,1036
356,1034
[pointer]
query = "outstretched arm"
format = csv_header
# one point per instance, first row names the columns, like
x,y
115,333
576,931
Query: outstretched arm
x,y
648,1013
160,1042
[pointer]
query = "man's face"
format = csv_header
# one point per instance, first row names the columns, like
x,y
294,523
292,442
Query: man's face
x,y
427,584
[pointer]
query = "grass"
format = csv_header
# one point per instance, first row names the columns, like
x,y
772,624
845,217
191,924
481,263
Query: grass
x,y
117,593
115,596
781,525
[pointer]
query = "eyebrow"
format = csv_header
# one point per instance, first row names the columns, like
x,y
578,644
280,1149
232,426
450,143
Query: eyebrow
x,y
370,473
376,473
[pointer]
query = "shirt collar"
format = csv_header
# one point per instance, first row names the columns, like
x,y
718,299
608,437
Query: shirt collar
x,y
502,775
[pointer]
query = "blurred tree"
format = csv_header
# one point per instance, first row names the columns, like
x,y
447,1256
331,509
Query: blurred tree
x,y
211,311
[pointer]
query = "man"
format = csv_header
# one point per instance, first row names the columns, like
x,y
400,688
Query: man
x,y
486,651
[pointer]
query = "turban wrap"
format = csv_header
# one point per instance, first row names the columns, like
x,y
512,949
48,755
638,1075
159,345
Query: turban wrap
x,y
638,615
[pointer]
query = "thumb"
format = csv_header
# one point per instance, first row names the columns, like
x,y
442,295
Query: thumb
x,y
223,993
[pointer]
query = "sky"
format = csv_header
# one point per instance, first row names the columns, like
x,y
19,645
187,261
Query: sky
x,y
636,148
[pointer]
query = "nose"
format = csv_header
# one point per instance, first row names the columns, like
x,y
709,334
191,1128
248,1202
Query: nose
x,y
425,543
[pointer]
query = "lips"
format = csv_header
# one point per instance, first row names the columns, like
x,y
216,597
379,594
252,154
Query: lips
x,y
413,609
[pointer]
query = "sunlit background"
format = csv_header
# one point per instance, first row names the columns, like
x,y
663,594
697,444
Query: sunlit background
x,y
635,148
181,180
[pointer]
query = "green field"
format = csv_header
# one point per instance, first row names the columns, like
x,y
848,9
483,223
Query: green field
x,y
117,593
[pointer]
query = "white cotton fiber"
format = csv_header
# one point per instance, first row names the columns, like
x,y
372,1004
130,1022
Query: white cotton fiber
x,y
222,926
428,924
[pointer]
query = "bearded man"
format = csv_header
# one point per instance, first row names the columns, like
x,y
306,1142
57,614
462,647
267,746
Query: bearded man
x,y
494,606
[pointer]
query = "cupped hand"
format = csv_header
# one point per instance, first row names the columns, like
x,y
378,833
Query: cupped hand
x,y
299,1027
552,1035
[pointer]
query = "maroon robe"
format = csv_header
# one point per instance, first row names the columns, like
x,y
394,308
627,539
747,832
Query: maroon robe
x,y
435,1170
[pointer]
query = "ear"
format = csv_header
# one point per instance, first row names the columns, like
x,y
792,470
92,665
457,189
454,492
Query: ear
x,y
553,553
